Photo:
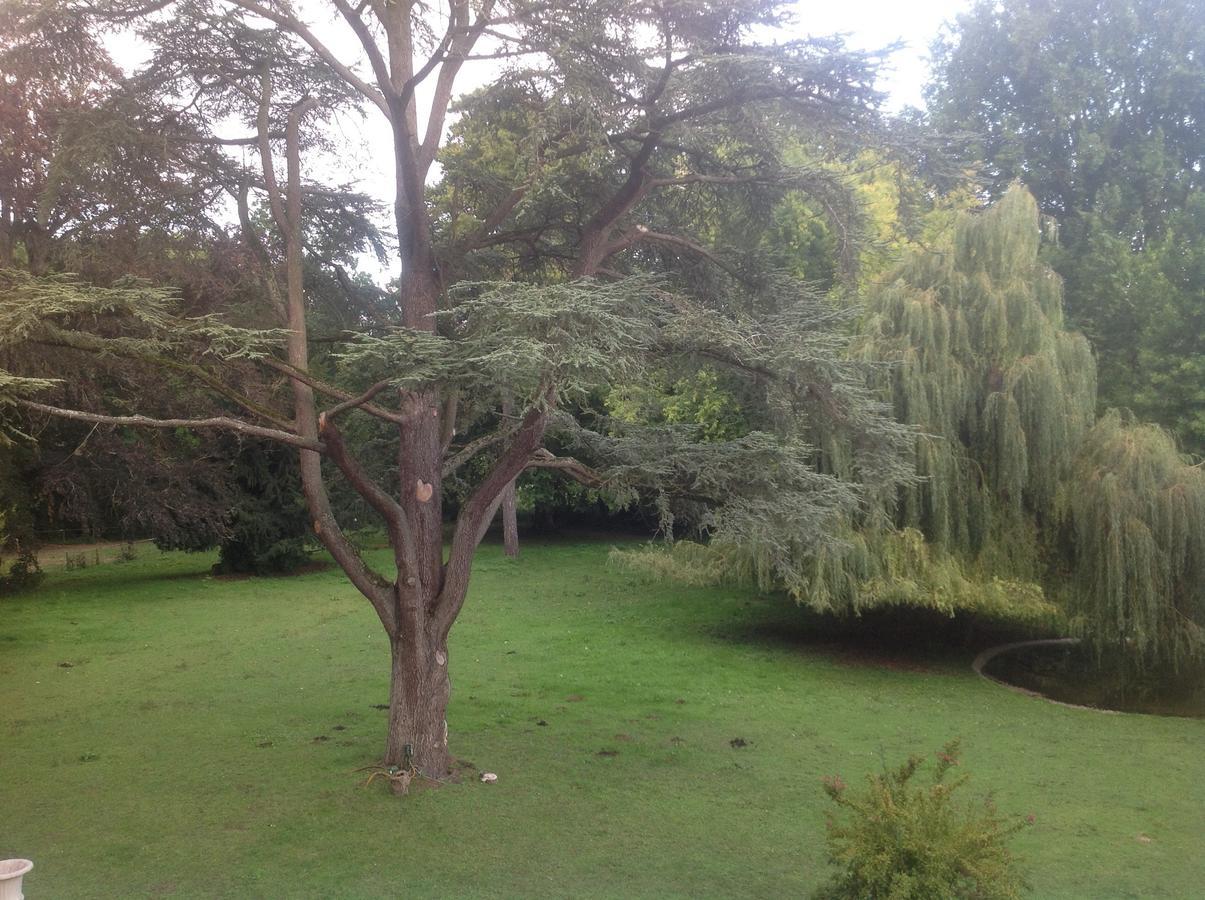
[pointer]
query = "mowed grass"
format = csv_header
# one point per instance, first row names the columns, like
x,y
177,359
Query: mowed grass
x,y
168,734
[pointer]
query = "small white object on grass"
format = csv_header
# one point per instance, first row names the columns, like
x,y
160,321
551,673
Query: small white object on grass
x,y
488,777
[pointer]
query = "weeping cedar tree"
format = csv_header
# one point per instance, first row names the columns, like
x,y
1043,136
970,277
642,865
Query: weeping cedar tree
x,y
622,92
1020,496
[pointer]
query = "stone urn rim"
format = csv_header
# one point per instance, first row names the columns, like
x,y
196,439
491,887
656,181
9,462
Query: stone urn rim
x,y
14,868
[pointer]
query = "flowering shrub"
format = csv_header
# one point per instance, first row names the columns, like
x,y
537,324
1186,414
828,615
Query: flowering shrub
x,y
895,841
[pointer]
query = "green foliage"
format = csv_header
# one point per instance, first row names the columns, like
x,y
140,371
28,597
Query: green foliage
x,y
859,571
1168,385
518,338
967,346
127,319
897,841
17,537
1138,583
704,398
1096,105
268,525
24,573
999,393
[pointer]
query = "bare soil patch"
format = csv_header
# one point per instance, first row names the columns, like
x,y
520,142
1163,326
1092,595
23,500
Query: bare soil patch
x,y
54,556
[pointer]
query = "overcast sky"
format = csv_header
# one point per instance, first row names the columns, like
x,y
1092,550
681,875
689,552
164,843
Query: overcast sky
x,y
869,24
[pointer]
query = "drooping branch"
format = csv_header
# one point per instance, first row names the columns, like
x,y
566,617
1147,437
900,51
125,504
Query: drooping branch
x,y
91,344
641,234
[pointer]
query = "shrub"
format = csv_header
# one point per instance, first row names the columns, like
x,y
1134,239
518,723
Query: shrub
x,y
23,574
899,842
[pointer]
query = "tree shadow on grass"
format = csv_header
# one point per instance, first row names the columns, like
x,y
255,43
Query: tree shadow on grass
x,y
902,639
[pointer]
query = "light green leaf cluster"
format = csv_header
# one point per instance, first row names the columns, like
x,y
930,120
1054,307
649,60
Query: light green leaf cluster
x,y
758,488
520,338
1001,393
404,357
12,386
900,841
853,571
129,318
1138,579
578,335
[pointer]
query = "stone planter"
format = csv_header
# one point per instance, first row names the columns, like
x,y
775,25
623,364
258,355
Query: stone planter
x,y
11,873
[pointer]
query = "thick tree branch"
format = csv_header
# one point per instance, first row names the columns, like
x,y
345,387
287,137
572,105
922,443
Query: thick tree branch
x,y
466,536
461,45
336,448
472,448
640,234
294,25
272,187
91,344
380,68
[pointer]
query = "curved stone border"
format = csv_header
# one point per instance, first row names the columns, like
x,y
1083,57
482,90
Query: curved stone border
x,y
992,652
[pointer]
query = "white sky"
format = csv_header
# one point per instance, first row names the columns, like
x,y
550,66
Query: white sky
x,y
870,24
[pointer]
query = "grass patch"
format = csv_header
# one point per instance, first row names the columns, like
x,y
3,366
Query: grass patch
x,y
164,733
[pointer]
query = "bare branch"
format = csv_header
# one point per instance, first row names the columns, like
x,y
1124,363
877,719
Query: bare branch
x,y
330,390
576,470
375,58
471,449
641,234
296,26
139,421
461,44
353,403
390,510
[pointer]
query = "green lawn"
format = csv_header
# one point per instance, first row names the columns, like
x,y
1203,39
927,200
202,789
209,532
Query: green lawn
x,y
168,734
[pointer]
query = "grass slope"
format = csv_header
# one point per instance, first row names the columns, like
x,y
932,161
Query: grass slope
x,y
202,742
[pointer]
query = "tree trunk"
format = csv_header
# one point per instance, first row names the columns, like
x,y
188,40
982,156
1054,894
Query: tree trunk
x,y
419,689
510,519
510,522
